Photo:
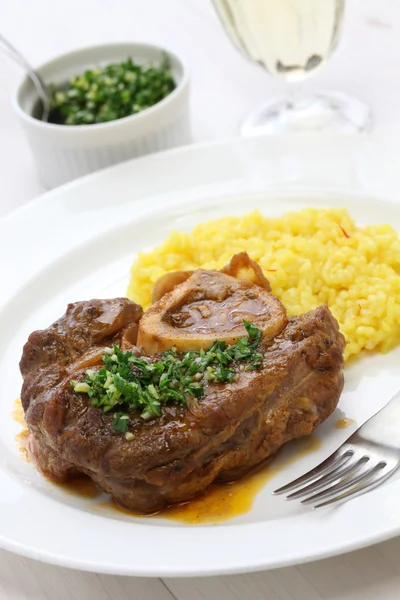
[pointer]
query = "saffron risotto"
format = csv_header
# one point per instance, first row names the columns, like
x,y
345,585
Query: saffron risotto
x,y
310,257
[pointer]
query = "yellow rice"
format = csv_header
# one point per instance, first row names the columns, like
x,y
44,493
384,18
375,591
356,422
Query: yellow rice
x,y
310,257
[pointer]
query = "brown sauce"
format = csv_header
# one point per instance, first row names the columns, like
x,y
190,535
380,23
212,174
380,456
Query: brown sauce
x,y
221,502
79,485
23,438
18,413
343,423
208,315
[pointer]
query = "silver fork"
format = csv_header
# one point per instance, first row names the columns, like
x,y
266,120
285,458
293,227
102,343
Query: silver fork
x,y
362,463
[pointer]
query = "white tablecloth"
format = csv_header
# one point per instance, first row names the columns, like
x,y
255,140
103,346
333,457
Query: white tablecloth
x,y
224,88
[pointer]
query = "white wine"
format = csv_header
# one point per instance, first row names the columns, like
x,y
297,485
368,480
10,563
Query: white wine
x,y
289,38
293,39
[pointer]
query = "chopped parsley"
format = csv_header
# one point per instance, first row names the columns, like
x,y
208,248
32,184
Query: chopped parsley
x,y
120,422
112,92
136,384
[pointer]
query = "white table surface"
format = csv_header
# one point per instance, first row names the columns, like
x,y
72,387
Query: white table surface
x,y
224,88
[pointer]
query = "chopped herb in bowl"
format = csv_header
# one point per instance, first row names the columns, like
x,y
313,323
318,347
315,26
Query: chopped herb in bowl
x,y
112,92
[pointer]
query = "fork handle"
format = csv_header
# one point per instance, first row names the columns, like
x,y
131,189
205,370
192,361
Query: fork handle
x,y
384,427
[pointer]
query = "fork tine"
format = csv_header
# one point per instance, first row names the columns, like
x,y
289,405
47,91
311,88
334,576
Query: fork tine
x,y
360,489
334,460
360,472
343,471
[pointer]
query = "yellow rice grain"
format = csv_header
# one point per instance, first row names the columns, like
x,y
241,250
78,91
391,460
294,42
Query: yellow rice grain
x,y
310,257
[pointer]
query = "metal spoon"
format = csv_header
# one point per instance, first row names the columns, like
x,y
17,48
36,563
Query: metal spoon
x,y
41,88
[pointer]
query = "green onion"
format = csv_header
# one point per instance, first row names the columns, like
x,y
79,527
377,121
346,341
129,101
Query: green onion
x,y
138,385
112,92
80,386
255,334
120,422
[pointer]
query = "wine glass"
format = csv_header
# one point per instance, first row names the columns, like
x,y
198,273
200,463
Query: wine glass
x,y
292,40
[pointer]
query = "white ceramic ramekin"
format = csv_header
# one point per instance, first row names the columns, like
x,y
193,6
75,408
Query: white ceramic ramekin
x,y
64,152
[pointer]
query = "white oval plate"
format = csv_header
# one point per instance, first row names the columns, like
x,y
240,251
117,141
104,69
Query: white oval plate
x,y
78,242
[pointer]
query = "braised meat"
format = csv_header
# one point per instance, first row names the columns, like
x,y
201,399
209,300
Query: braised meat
x,y
234,427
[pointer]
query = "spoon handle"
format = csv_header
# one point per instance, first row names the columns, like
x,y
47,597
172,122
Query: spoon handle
x,y
37,81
